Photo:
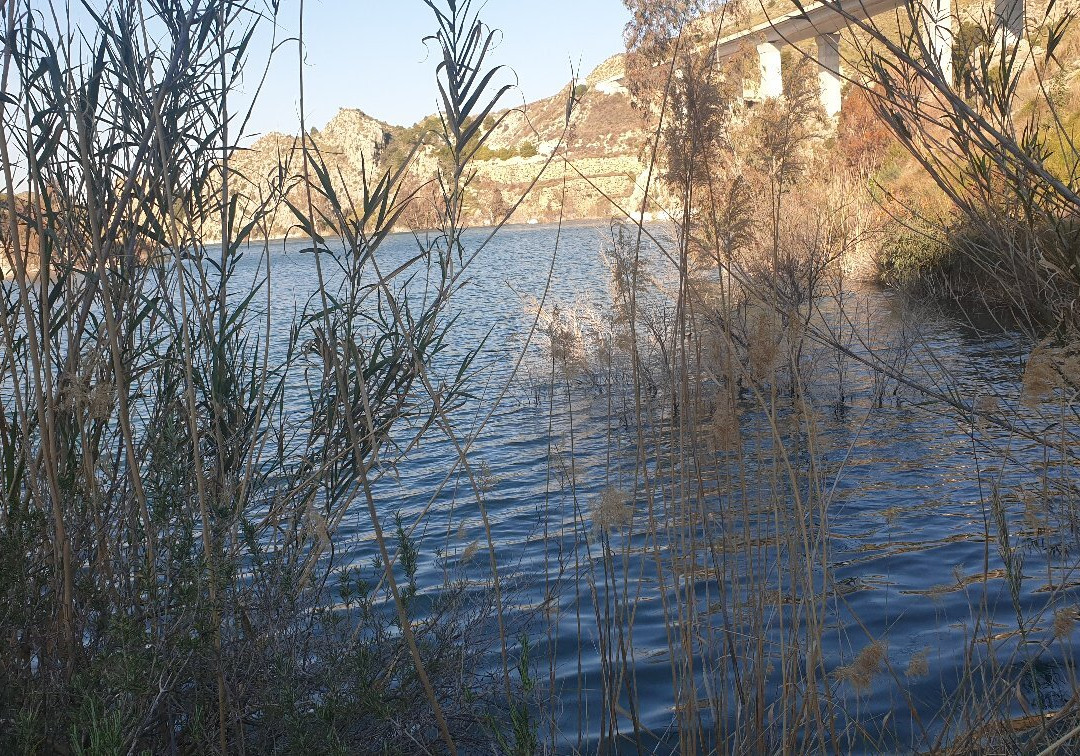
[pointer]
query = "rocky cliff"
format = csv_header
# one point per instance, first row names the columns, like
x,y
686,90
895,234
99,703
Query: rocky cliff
x,y
593,166
596,159
352,145
576,169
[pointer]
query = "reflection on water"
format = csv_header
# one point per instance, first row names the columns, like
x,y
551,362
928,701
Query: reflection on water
x,y
914,551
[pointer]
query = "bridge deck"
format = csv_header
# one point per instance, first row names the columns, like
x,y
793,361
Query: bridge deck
x,y
801,25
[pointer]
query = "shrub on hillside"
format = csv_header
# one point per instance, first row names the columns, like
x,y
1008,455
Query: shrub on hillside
x,y
913,251
862,138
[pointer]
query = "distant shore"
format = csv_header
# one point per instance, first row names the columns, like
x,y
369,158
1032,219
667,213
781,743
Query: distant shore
x,y
539,224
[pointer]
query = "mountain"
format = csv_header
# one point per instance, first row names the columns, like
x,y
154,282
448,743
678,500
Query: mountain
x,y
351,144
572,170
602,152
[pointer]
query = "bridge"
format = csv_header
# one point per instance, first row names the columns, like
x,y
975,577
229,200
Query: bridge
x,y
823,21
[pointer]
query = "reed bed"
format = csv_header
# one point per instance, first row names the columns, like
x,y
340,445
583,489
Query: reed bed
x,y
175,469
173,572
732,344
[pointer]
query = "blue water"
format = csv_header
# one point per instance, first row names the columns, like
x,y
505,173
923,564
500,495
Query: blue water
x,y
911,540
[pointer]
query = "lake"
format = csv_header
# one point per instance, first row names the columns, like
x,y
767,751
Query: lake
x,y
931,530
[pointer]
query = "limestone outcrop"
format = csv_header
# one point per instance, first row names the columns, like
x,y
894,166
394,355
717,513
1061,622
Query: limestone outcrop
x,y
535,160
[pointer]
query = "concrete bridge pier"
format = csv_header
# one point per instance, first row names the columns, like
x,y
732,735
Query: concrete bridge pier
x,y
829,81
1010,15
823,22
772,78
937,25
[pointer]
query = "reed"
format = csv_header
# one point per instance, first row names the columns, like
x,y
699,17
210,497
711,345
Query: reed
x,y
730,341
173,571
174,480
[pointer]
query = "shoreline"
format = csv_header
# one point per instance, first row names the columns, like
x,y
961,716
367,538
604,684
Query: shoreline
x,y
522,225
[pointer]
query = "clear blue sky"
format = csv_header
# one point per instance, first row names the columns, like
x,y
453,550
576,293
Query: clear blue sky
x,y
368,54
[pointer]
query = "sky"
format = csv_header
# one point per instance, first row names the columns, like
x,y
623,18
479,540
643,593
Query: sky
x,y
368,54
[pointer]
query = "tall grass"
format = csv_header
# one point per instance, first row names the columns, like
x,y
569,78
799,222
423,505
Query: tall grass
x,y
731,346
996,143
174,476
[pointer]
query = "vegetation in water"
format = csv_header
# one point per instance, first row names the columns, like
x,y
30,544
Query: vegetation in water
x,y
175,475
170,577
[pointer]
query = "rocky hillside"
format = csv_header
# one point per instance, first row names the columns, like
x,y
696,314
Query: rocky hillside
x,y
352,143
578,168
594,166
600,155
